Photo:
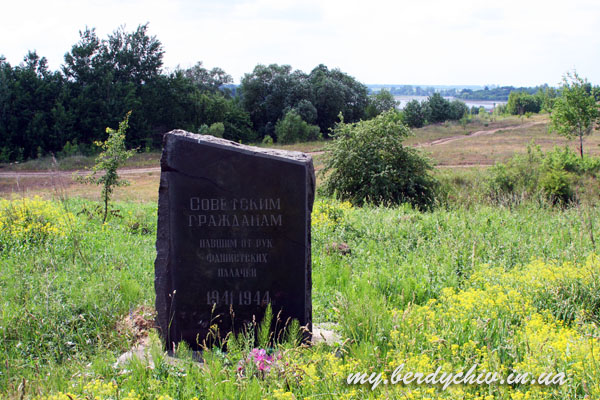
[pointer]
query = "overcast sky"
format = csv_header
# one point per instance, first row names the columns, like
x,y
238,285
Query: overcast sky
x,y
454,42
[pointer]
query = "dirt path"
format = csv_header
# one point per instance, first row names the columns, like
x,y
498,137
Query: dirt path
x,y
68,174
478,133
146,170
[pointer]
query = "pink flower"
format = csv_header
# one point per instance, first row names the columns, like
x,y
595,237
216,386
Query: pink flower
x,y
263,362
261,359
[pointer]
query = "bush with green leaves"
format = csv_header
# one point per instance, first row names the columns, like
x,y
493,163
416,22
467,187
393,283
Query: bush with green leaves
x,y
267,140
557,185
367,163
518,177
217,129
292,128
554,174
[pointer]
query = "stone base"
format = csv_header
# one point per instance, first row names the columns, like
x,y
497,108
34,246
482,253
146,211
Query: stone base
x,y
322,333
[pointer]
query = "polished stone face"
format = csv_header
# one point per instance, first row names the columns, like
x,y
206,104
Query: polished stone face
x,y
233,236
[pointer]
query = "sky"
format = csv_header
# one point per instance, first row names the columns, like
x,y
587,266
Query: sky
x,y
421,42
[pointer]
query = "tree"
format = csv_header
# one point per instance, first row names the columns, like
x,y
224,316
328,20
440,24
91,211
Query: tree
x,y
108,77
269,91
438,108
520,103
334,92
548,96
112,157
208,81
380,102
457,110
575,112
134,56
42,111
414,114
29,93
367,162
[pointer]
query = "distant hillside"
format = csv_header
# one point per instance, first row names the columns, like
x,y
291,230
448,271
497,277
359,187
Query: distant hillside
x,y
465,92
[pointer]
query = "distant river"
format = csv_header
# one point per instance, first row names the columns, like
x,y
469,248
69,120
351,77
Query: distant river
x,y
487,104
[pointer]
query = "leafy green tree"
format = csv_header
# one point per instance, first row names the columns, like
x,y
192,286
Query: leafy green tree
x,y
367,162
65,111
336,92
208,81
268,91
575,112
113,156
520,103
414,114
291,129
457,110
133,56
438,108
380,102
548,96
306,110
28,94
108,77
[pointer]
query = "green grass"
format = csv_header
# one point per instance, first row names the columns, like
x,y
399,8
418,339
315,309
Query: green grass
x,y
62,300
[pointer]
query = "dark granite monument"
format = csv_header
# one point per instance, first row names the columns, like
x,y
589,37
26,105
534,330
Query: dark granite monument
x,y
233,236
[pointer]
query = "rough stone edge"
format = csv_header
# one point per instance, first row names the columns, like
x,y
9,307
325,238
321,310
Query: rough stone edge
x,y
284,155
162,271
310,198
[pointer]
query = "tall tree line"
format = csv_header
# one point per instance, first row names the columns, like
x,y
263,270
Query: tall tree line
x,y
43,111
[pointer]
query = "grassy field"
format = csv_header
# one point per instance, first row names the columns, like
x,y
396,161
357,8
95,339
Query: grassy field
x,y
499,146
506,289
450,288
433,132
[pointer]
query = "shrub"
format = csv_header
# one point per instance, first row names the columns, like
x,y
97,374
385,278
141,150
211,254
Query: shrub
x,y
367,162
292,128
217,129
267,140
519,176
553,174
69,149
329,213
564,158
556,185
4,154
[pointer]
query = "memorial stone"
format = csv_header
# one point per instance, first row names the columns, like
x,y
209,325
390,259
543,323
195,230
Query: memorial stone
x,y
233,236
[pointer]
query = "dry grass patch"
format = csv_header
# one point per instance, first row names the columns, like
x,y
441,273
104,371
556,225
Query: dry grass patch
x,y
503,144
